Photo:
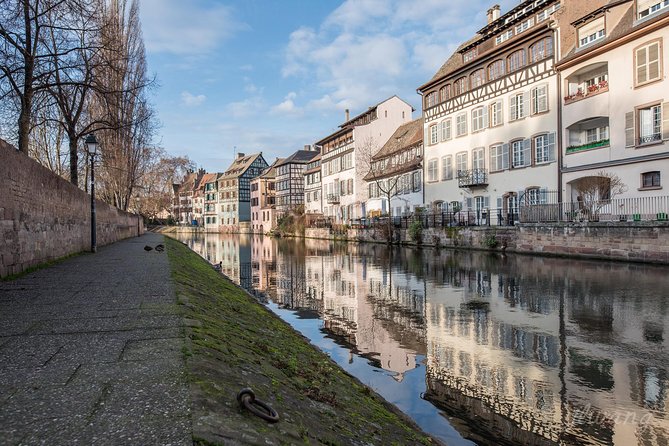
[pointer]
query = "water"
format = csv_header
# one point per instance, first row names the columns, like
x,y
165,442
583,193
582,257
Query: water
x,y
477,348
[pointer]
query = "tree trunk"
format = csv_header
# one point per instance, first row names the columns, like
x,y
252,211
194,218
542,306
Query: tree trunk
x,y
74,160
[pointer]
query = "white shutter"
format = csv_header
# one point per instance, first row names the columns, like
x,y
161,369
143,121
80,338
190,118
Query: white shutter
x,y
513,108
486,202
551,146
505,156
665,120
533,101
525,104
469,203
653,61
630,133
527,152
486,119
641,67
543,98
499,203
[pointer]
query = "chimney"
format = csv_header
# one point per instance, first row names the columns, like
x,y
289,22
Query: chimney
x,y
307,147
493,14
240,155
347,115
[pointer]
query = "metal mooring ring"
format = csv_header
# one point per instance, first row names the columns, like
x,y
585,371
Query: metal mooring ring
x,y
247,399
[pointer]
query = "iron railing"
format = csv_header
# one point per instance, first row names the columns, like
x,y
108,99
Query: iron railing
x,y
333,199
650,138
472,178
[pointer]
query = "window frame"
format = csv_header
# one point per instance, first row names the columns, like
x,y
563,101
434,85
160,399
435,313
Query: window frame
x,y
646,46
461,122
652,186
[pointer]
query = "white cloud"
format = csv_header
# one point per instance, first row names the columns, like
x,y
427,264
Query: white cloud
x,y
287,107
186,28
190,100
246,108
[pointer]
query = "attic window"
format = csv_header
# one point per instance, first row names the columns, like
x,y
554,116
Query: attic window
x,y
648,7
470,55
591,32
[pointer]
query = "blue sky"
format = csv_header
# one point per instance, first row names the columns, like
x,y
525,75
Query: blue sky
x,y
273,75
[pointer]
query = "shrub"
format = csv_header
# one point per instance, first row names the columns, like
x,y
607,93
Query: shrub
x,y
416,231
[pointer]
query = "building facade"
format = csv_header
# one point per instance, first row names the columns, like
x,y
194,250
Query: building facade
x,y
182,205
397,173
210,218
263,200
290,180
615,107
313,197
346,157
234,188
491,118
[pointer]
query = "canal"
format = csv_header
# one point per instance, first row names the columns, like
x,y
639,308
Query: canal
x,y
477,348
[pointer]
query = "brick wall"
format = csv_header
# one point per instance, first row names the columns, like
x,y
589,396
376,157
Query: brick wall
x,y
43,217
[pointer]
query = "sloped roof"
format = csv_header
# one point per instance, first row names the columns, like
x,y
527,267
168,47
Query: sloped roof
x,y
452,64
406,135
270,172
240,165
208,178
299,157
372,108
314,169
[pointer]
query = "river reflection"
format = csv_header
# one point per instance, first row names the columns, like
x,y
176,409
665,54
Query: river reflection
x,y
509,350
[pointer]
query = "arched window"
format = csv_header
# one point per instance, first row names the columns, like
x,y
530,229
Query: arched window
x,y
496,70
460,86
445,92
516,61
541,49
431,99
477,78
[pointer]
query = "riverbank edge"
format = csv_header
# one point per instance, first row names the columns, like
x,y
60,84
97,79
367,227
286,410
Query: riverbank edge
x,y
232,342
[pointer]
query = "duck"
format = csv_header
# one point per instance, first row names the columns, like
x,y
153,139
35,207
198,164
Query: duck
x,y
218,266
147,248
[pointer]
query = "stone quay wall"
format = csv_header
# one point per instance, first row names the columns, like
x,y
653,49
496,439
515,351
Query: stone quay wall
x,y
43,217
626,241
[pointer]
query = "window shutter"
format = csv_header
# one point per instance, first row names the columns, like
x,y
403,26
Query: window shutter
x,y
500,114
654,61
527,152
630,132
543,195
499,203
486,119
524,108
512,108
665,120
426,136
543,102
551,146
486,202
534,108
469,203
505,156
641,70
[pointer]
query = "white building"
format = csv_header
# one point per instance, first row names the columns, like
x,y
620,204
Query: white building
x,y
615,111
313,197
397,172
346,157
491,117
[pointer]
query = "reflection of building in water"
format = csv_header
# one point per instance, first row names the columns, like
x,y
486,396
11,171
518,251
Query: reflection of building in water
x,y
263,265
543,358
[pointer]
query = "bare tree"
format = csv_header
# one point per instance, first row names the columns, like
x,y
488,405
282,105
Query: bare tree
x,y
47,141
597,190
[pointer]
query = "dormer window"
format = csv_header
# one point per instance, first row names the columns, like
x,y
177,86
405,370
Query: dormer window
x,y
431,99
591,32
469,55
543,15
503,37
524,26
645,8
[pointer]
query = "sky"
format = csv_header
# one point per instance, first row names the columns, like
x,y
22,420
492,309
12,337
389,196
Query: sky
x,y
273,75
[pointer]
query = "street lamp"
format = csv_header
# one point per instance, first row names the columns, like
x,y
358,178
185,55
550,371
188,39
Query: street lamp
x,y
93,149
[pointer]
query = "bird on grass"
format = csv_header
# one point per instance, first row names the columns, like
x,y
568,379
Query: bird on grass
x,y
160,248
218,266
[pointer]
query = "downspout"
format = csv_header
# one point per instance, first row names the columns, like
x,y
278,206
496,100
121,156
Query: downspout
x,y
558,48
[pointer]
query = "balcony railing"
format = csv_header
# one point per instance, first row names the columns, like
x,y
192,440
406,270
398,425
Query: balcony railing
x,y
472,178
333,199
591,90
650,138
590,145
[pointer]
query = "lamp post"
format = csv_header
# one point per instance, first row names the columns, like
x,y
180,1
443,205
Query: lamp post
x,y
92,149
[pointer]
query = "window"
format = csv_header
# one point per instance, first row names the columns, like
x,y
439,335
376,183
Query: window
x,y
499,157
544,148
650,124
539,98
432,169
417,183
461,163
478,158
446,168
517,107
446,133
496,114
461,124
596,134
541,49
460,86
648,7
445,93
496,70
543,15
516,61
533,196
591,32
434,134
469,55
520,153
650,180
431,99
477,78
479,119
503,37
525,25
648,62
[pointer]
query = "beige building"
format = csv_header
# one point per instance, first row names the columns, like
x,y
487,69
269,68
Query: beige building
x,y
313,197
346,155
491,118
615,106
263,200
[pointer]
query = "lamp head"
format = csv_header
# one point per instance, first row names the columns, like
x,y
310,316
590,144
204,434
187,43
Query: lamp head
x,y
92,146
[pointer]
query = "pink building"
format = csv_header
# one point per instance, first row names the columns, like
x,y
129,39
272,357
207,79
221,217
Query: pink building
x,y
263,200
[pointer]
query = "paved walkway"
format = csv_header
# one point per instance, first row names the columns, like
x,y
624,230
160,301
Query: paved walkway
x,y
91,352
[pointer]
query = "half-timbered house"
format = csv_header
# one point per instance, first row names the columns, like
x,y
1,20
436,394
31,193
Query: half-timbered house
x,y
290,180
234,191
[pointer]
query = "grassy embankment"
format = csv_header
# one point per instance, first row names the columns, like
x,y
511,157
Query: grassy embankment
x,y
235,342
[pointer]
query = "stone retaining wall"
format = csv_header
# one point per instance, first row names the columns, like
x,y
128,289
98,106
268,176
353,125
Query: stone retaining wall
x,y
44,217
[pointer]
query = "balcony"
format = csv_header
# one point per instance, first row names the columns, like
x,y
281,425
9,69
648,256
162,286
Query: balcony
x,y
472,178
588,146
653,137
587,92
333,199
